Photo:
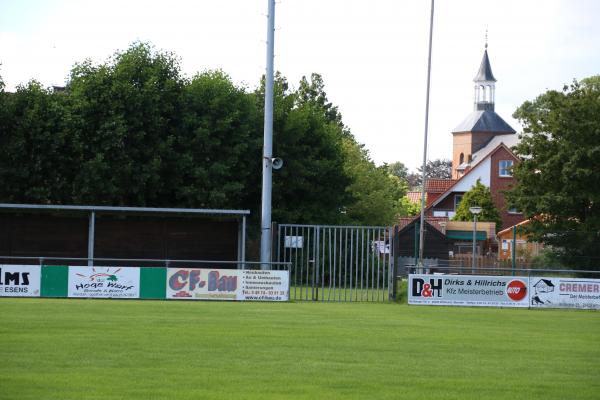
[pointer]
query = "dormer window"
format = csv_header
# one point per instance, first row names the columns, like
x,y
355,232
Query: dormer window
x,y
505,168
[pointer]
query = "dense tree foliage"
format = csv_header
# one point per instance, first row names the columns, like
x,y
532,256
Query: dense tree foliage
x,y
133,131
376,194
398,169
558,180
478,196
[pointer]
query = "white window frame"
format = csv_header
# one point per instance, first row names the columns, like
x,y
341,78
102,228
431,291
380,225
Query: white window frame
x,y
504,170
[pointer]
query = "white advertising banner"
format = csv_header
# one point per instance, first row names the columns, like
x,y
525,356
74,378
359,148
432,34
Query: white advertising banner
x,y
104,282
468,290
20,280
549,292
227,284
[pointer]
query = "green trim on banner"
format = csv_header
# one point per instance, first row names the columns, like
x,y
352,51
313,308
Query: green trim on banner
x,y
55,281
153,283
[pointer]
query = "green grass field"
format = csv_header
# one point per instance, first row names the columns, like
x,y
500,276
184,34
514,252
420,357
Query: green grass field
x,y
103,349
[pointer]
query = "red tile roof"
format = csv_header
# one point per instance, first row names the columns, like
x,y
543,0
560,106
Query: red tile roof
x,y
438,185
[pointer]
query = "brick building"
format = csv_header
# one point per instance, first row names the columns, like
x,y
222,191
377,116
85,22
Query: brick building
x,y
481,149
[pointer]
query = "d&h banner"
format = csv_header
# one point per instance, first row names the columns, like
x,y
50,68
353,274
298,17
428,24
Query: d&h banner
x,y
468,290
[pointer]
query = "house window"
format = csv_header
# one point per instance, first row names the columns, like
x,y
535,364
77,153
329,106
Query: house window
x,y
457,199
514,210
461,159
505,168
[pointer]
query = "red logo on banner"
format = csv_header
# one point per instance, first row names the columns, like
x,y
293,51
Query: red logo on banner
x,y
516,290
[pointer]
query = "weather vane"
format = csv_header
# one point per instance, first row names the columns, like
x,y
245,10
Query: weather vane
x,y
486,38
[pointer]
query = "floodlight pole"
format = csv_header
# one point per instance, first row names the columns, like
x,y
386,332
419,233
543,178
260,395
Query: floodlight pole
x,y
267,173
422,225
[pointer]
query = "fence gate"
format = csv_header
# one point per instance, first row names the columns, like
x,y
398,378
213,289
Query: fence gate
x,y
337,263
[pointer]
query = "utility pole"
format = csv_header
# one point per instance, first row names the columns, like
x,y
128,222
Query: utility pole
x,y
422,225
267,163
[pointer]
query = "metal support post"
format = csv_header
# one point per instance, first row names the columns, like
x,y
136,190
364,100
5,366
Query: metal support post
x,y
91,236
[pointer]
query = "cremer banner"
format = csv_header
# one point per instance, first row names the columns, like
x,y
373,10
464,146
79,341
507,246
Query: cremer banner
x,y
549,292
227,284
104,282
20,280
468,290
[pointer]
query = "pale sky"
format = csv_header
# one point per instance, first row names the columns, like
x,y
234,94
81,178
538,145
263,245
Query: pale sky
x,y
372,54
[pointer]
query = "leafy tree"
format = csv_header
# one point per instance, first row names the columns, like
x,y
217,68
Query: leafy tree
x,y
413,180
558,181
218,149
311,187
409,208
479,195
398,169
376,194
36,149
313,91
434,169
127,114
133,131
437,169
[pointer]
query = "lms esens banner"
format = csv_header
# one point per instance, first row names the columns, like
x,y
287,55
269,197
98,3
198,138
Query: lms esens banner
x,y
104,282
20,280
547,292
468,290
227,284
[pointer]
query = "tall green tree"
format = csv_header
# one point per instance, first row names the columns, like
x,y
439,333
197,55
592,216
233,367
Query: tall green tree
x,y
376,195
558,185
127,114
36,149
434,169
398,169
218,148
311,186
478,196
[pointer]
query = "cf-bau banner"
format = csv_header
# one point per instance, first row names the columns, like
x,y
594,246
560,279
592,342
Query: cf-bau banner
x,y
468,290
20,280
104,282
227,284
547,292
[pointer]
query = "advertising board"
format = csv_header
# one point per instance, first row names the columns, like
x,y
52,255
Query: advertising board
x,y
547,292
468,290
20,280
104,282
227,284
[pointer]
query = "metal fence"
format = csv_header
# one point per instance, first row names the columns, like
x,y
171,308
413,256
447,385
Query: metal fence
x,y
337,263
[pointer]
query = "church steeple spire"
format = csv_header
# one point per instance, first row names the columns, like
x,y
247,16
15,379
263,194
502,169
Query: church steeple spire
x,y
485,83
